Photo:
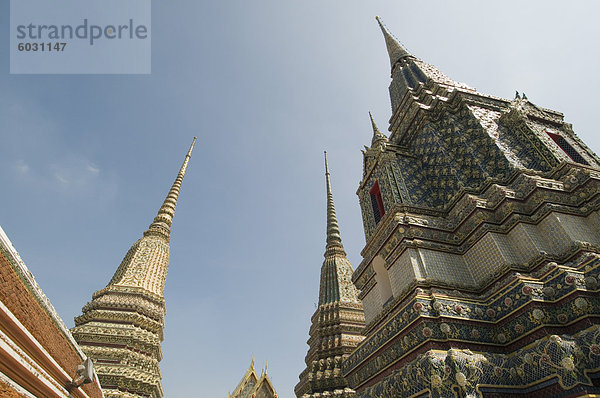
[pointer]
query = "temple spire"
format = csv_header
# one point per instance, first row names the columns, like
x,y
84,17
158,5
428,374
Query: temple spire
x,y
394,48
333,230
121,329
337,322
161,226
377,135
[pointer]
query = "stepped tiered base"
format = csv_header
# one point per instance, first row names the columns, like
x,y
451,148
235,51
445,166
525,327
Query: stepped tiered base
x,y
499,295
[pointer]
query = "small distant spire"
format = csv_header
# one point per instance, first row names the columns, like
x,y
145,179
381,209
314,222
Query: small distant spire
x,y
377,135
333,230
524,96
161,226
517,96
394,48
252,363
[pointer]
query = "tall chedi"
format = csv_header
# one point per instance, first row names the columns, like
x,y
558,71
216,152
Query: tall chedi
x,y
480,270
337,322
122,327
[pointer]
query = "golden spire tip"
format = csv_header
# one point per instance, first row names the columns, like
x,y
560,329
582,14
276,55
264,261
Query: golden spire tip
x,y
191,147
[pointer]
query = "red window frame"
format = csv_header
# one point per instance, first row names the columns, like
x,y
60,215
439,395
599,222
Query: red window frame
x,y
376,192
564,145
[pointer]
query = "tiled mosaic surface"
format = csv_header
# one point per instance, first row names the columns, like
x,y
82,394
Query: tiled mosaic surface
x,y
513,210
338,321
480,205
494,253
461,372
446,137
121,329
555,295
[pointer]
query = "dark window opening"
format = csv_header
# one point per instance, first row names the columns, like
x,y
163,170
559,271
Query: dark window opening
x,y
377,202
409,79
567,148
417,71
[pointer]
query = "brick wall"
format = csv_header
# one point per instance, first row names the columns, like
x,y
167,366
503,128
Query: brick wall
x,y
22,303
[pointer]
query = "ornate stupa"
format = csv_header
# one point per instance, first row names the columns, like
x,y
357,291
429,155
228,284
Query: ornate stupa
x,y
121,329
338,320
480,270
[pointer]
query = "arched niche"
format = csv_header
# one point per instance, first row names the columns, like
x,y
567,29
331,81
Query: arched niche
x,y
382,277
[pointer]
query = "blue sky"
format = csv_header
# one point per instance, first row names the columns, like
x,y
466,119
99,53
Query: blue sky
x,y
266,86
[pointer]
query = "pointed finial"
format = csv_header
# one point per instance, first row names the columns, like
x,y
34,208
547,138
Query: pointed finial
x,y
266,363
377,135
252,363
524,96
394,48
333,230
161,226
517,96
191,147
375,129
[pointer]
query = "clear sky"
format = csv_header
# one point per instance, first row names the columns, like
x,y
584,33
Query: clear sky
x,y
266,86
